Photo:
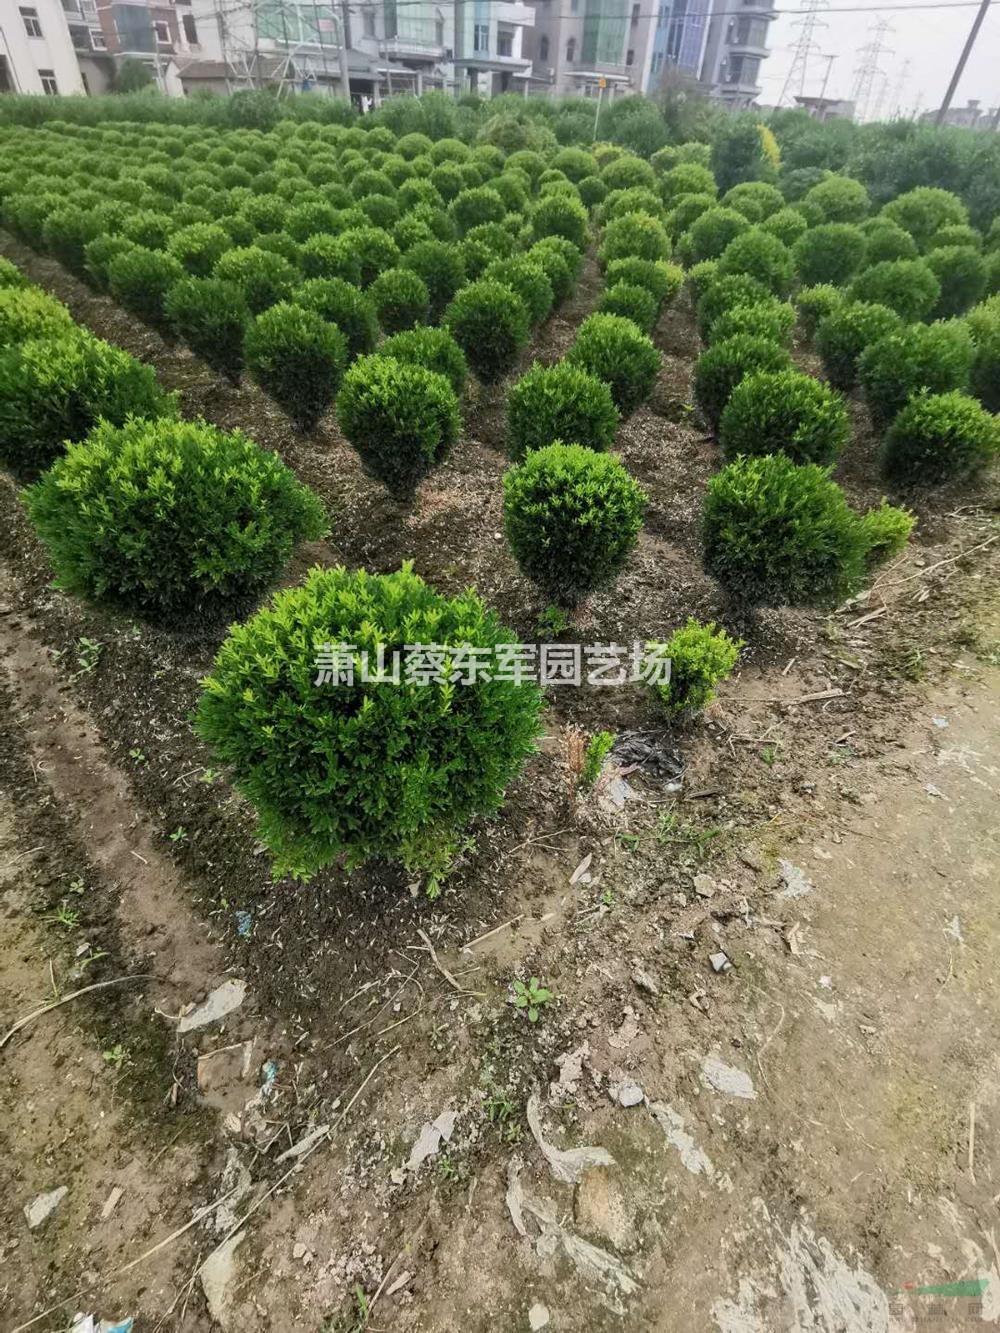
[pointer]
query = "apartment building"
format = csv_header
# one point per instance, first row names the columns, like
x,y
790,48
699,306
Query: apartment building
x,y
36,50
735,48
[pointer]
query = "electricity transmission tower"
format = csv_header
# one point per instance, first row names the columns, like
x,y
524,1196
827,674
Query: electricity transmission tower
x,y
805,46
869,71
896,101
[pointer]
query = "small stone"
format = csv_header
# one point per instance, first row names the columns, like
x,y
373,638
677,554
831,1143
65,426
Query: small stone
x,y
298,1250
42,1208
645,982
538,1317
720,962
704,886
630,1094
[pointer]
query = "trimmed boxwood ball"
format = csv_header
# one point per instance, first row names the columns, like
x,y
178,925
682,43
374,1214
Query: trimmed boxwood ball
x,y
27,312
566,249
374,250
685,179
756,200
787,224
767,319
343,304
298,359
662,279
784,411
168,517
527,278
939,437
54,390
839,199
365,770
955,234
560,215
636,234
211,317
441,267
490,323
685,211
556,269
843,334
962,273
761,256
815,303
199,247
719,369
329,257
434,349
712,231
776,533
700,656
908,286
702,277
830,253
264,278
401,418
621,202
560,402
615,351
471,208
483,246
140,280
724,293
985,377
919,358
400,298
925,210
631,302
572,517
887,240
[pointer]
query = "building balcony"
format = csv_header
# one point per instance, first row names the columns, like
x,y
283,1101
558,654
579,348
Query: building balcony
x,y
491,60
757,49
506,11
411,48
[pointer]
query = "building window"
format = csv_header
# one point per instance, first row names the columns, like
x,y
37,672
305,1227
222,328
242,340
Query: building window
x,y
570,50
49,86
31,25
742,69
481,37
190,31
368,21
543,47
629,57
635,16
751,32
6,83
574,5
162,30
97,40
505,43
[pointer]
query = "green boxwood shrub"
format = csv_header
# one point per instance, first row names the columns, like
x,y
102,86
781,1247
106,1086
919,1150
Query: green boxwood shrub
x,y
815,303
784,411
702,277
939,437
199,247
211,317
663,280
615,351
140,280
839,199
434,349
263,278
298,359
27,312
925,210
637,304
760,256
768,319
560,215
843,334
712,231
908,286
725,292
441,267
887,530
343,304
363,770
620,202
887,240
527,278
776,533
558,272
788,224
962,274
572,517
723,365
54,390
955,234
560,402
11,275
756,200
985,376
686,211
490,323
483,246
637,235
830,253
471,208
326,256
374,250
921,357
400,298
164,517
700,657
566,251
147,228
65,235
400,417
687,178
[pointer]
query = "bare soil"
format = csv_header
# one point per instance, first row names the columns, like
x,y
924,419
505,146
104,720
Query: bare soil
x,y
123,854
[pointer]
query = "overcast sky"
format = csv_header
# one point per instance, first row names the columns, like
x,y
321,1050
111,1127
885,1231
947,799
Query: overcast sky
x,y
930,39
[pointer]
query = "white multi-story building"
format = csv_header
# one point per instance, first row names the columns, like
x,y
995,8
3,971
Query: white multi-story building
x,y
36,49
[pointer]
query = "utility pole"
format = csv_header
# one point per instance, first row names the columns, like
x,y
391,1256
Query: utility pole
x,y
344,33
804,46
970,41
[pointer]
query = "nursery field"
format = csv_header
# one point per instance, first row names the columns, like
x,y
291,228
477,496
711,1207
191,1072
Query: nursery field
x,y
429,1005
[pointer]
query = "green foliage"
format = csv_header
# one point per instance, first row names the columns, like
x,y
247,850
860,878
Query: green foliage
x,y
343,304
526,277
147,228
924,211
140,280
634,235
560,402
887,240
599,747
27,312
962,274
725,292
939,437
713,231
531,996
686,212
815,303
434,349
400,417
164,517
700,657
263,278
956,233
364,770
687,178
625,172
572,517
631,302
558,271
11,275
211,317
329,257
298,359
921,357
374,250
490,323
400,298
663,280
908,286
985,377
441,267
471,208
784,411
738,152
843,334
761,256
887,530
53,390
770,319
778,534
831,253
788,224
756,200
615,351
560,215
702,277
199,247
723,365
839,199
484,245
65,235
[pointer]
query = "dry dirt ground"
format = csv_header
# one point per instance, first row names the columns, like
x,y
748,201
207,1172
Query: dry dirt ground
x,y
781,1144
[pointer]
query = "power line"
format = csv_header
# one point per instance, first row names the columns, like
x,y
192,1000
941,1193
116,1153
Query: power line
x,y
869,69
804,47
626,12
